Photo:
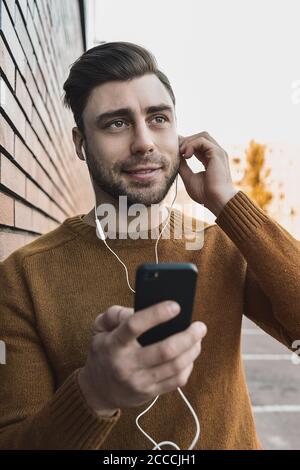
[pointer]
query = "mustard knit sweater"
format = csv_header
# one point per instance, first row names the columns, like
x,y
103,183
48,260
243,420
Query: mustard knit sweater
x,y
52,289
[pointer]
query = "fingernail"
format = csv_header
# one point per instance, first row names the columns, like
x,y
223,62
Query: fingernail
x,y
174,307
201,327
204,328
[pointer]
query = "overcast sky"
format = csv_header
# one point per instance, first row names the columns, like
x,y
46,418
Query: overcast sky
x,y
232,63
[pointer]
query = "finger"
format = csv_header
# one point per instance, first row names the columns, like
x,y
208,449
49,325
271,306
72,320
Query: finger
x,y
145,319
170,348
172,383
184,170
200,143
112,318
203,134
180,139
186,141
171,368
202,148
207,136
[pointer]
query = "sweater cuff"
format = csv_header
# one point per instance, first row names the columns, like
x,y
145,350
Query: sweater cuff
x,y
241,217
78,426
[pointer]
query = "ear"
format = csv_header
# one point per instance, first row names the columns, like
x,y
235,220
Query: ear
x,y
78,143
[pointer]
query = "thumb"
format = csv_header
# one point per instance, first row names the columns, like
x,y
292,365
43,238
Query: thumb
x,y
111,318
185,171
180,139
193,182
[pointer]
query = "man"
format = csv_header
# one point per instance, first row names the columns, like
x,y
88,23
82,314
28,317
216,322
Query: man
x,y
76,376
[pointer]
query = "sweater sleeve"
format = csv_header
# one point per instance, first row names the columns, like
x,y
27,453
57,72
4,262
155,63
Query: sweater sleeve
x,y
272,282
34,414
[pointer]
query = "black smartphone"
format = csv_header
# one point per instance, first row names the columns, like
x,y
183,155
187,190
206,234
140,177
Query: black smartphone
x,y
165,281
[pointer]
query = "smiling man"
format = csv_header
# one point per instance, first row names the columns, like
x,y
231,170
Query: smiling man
x,y
75,376
136,139
132,125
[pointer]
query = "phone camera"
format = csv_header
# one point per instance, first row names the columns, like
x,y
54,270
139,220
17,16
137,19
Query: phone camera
x,y
151,276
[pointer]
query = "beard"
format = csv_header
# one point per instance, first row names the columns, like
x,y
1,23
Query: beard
x,y
113,181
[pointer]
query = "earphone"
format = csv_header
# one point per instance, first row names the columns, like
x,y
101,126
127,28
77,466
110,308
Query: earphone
x,y
101,236
99,231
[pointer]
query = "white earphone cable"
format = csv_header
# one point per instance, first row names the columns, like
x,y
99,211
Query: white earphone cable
x,y
197,434
158,238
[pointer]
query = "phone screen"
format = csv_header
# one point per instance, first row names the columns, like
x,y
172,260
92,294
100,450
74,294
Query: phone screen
x,y
166,281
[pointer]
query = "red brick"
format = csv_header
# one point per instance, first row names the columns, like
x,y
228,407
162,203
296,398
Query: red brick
x,y
23,35
40,223
44,181
40,26
31,85
12,40
53,115
57,213
39,128
25,158
43,143
31,138
41,87
11,8
36,148
23,216
6,135
37,197
23,96
24,8
6,209
30,6
9,242
12,108
11,177
32,32
7,64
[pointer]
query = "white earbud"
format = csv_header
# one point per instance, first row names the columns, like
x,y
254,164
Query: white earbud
x,y
83,153
99,230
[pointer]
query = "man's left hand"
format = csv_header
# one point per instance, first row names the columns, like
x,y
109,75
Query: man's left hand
x,y
212,187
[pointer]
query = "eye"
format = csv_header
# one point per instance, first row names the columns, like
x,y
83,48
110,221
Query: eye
x,y
160,117
114,122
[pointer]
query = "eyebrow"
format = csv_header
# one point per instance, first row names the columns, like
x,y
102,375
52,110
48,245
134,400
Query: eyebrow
x,y
127,112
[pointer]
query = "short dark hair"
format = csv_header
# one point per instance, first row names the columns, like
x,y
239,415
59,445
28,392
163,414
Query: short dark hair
x,y
111,61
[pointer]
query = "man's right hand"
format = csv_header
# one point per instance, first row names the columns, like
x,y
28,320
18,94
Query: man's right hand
x,y
120,373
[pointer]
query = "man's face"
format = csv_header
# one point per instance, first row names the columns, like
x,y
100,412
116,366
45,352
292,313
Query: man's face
x,y
141,137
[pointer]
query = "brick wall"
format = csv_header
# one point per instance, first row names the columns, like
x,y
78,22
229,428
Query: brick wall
x,y
42,181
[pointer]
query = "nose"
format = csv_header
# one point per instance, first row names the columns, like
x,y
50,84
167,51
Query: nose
x,y
142,141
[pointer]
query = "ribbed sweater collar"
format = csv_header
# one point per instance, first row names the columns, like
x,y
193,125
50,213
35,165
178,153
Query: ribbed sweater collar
x,y
88,233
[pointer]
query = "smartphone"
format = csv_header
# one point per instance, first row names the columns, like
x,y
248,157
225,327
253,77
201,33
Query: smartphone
x,y
165,281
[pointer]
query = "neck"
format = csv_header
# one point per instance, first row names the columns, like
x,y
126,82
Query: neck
x,y
122,220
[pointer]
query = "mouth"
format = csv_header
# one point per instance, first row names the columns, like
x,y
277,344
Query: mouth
x,y
144,173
